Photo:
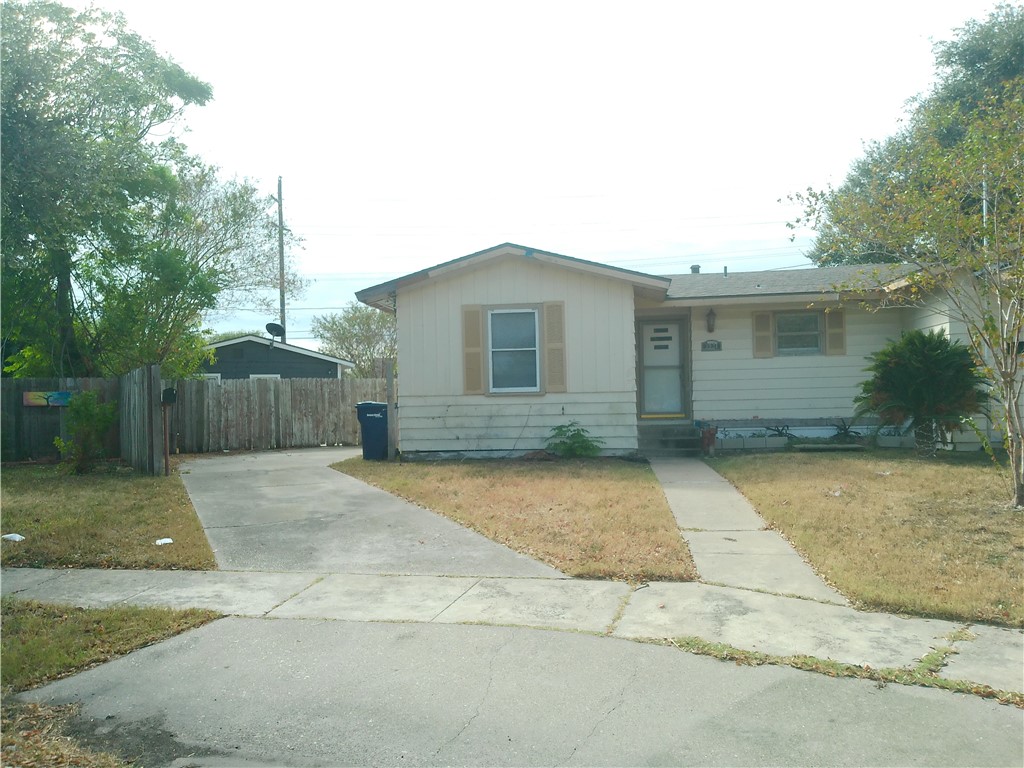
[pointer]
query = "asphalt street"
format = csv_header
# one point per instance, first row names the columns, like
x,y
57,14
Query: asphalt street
x,y
329,693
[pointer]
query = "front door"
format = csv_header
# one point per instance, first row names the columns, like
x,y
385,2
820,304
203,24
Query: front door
x,y
661,378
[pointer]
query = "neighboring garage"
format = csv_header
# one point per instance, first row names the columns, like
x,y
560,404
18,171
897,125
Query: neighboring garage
x,y
255,357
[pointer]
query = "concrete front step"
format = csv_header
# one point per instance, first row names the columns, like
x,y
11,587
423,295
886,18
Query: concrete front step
x,y
669,440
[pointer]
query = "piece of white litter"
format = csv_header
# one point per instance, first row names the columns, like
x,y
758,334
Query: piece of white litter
x,y
13,537
161,542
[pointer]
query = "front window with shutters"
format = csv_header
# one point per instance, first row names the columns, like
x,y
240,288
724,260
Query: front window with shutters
x,y
513,349
798,333
791,333
514,361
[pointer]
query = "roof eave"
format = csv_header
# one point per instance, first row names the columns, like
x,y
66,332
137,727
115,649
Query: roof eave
x,y
382,296
285,345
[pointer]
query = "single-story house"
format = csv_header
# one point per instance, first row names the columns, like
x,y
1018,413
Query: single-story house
x,y
255,357
498,347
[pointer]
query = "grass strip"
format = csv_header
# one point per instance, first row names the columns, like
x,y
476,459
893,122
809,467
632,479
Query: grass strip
x,y
924,674
43,641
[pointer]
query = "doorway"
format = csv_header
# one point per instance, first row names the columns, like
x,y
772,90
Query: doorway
x,y
661,370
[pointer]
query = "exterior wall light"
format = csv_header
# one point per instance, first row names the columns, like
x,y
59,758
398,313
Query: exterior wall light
x,y
709,320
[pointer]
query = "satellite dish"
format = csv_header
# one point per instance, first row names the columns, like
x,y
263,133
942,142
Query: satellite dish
x,y
274,329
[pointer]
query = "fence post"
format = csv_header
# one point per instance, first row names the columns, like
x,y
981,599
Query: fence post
x,y
389,383
141,436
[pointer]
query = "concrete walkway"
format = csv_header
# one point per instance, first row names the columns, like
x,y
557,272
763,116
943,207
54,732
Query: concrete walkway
x,y
730,543
764,597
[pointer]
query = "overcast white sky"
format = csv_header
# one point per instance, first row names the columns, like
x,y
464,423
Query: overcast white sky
x,y
649,135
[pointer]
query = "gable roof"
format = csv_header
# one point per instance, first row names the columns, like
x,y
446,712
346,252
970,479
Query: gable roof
x,y
781,283
288,347
383,296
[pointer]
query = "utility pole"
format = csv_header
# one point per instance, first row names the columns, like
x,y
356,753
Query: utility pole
x,y
280,254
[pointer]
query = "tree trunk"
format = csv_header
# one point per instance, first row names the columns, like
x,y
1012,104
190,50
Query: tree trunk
x,y
1015,447
68,360
925,438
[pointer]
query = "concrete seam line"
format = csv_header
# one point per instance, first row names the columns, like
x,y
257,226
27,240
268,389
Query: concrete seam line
x,y
620,612
316,580
453,602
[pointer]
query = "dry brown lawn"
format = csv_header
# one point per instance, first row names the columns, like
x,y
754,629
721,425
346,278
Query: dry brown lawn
x,y
590,518
100,520
894,532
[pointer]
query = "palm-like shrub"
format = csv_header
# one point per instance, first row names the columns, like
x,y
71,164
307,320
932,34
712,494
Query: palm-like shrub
x,y
925,381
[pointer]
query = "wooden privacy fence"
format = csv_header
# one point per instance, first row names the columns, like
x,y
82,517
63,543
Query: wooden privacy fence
x,y
140,420
233,414
27,431
264,414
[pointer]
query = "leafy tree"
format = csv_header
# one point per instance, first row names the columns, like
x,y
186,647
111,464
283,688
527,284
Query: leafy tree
x,y
80,94
984,56
961,209
120,244
206,244
926,380
229,229
946,196
366,336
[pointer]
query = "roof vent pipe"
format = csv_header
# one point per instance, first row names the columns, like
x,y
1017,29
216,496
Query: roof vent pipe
x,y
725,271
695,269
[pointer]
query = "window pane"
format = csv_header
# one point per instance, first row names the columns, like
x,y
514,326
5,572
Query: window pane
x,y
802,323
792,343
514,370
513,330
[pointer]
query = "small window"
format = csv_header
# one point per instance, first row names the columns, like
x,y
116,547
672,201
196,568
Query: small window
x,y
264,375
514,352
793,333
798,333
211,377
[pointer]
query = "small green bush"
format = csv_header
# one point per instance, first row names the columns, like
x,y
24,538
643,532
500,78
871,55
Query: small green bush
x,y
572,440
87,422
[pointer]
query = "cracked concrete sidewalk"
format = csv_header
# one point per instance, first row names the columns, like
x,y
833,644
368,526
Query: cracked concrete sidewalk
x,y
745,619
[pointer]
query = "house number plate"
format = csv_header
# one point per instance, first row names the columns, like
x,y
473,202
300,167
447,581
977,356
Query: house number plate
x,y
711,345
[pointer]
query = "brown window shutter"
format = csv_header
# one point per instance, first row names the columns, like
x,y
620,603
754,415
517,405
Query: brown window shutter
x,y
835,332
763,342
473,350
555,375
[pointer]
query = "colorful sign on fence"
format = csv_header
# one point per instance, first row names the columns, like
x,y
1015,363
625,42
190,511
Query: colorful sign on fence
x,y
37,399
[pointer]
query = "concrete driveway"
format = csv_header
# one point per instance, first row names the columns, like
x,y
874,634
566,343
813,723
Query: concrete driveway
x,y
289,511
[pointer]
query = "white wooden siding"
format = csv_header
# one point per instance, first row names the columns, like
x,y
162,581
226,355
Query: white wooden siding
x,y
435,415
926,318
476,423
934,316
732,384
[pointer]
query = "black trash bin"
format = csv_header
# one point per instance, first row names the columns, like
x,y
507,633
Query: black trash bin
x,y
373,423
